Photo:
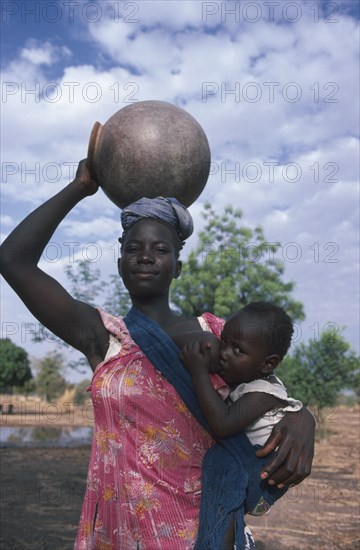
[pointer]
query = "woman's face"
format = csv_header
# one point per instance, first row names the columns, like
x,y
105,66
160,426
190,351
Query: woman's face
x,y
148,260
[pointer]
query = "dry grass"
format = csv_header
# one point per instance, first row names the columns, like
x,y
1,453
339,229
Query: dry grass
x,y
323,512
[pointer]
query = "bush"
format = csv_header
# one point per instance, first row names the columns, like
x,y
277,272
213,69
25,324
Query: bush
x,y
81,395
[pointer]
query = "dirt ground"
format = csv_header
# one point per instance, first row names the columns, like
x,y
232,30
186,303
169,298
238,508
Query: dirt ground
x,y
42,492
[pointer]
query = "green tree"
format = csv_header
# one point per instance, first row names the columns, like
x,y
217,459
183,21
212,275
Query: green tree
x,y
318,370
118,300
231,266
356,385
27,389
50,383
15,366
86,285
81,395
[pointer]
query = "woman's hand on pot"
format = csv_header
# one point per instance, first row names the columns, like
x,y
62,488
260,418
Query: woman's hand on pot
x,y
83,176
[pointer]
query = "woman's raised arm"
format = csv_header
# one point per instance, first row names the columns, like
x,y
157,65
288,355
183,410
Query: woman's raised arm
x,y
75,322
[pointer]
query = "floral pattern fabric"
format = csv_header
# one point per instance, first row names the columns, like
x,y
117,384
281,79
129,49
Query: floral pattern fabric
x,y
143,487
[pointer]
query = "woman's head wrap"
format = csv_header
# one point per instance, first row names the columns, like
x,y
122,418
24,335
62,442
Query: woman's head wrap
x,y
168,210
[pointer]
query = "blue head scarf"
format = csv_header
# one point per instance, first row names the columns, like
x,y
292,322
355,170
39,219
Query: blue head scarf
x,y
168,210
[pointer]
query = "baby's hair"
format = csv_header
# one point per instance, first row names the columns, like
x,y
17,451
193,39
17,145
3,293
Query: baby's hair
x,y
276,322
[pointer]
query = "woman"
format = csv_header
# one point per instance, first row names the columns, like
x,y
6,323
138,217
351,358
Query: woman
x,y
143,489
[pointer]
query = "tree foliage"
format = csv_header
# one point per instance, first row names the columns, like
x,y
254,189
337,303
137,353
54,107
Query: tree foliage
x,y
85,281
356,386
118,299
15,366
87,286
81,395
50,383
318,370
231,266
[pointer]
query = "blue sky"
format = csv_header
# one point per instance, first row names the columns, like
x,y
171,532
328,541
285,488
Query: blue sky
x,y
275,85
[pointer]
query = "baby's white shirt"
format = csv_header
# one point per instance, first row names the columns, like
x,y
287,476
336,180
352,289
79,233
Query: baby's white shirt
x,y
259,431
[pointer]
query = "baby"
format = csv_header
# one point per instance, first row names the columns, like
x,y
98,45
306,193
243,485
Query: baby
x,y
253,343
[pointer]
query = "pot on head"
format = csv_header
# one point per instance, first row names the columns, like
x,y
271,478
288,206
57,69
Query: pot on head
x,y
149,149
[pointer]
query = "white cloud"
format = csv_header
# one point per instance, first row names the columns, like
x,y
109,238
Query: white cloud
x,y
100,227
7,220
214,71
43,54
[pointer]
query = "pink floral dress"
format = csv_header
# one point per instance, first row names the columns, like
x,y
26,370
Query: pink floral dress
x,y
143,485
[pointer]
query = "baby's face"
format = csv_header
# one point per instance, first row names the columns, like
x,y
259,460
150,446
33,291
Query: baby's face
x,y
242,352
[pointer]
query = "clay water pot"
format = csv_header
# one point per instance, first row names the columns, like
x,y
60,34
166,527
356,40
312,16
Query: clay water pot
x,y
149,149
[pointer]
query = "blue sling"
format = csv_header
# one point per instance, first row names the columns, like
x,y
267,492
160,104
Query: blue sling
x,y
231,483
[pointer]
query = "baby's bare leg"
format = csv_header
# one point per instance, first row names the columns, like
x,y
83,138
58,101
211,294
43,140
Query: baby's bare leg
x,y
229,539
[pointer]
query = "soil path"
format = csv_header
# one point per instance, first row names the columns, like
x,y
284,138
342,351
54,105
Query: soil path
x,y
42,492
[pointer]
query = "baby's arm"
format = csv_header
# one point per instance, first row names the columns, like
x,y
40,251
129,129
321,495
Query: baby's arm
x,y
224,420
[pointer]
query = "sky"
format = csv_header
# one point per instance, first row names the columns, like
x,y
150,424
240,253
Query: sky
x,y
275,86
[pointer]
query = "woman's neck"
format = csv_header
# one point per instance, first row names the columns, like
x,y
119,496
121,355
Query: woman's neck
x,y
157,309
176,326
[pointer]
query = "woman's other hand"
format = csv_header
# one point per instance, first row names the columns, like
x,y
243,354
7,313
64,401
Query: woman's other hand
x,y
294,436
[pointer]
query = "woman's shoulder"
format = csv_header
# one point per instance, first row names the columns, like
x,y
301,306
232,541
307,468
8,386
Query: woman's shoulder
x,y
114,325
119,336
